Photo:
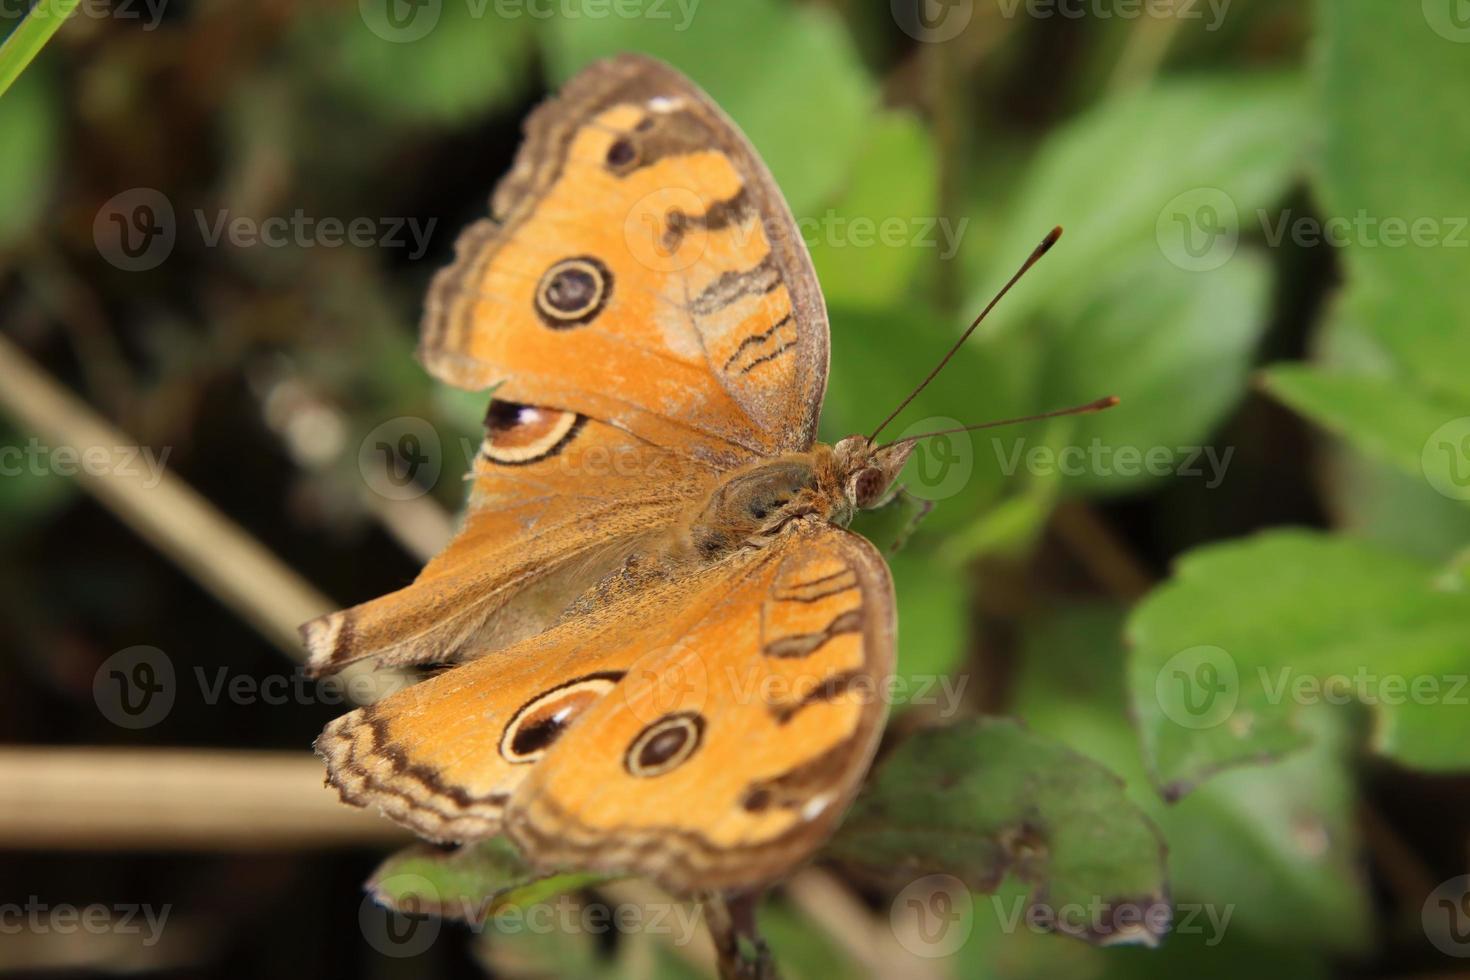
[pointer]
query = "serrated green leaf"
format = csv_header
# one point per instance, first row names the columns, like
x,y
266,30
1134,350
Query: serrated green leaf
x,y
1265,853
1421,433
468,884
984,799
1382,505
1246,635
1203,949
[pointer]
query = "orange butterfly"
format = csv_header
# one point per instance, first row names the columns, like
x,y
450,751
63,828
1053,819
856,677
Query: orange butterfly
x,y
670,646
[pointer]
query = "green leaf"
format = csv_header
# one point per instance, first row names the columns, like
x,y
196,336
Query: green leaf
x,y
1247,635
1422,433
800,949
568,945
1208,152
933,632
468,884
868,245
800,86
28,118
543,953
1200,948
1009,528
1176,347
31,491
985,799
1272,851
446,63
1380,504
890,525
1391,156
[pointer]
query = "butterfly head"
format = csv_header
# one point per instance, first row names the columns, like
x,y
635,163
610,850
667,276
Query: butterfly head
x,y
867,471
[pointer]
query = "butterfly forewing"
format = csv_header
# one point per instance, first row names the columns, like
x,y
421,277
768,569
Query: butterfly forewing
x,y
643,270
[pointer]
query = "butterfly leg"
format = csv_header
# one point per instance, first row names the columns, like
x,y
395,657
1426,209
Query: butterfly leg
x,y
743,954
893,522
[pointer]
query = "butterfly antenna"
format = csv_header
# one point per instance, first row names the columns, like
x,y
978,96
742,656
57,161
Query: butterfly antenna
x,y
1100,405
1040,250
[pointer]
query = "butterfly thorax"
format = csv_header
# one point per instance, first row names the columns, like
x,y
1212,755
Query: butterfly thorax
x,y
752,505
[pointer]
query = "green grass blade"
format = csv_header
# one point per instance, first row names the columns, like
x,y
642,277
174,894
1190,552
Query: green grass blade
x,y
30,36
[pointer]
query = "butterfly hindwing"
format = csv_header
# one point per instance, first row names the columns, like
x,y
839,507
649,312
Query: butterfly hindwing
x,y
712,734
723,759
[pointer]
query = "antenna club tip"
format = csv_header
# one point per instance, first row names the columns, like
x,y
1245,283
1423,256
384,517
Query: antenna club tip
x,y
1104,403
1052,237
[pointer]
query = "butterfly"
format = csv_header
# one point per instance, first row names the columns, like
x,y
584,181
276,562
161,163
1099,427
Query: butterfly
x,y
668,651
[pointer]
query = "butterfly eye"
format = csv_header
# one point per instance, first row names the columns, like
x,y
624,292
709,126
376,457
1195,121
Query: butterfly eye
x,y
572,292
867,487
541,721
664,745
